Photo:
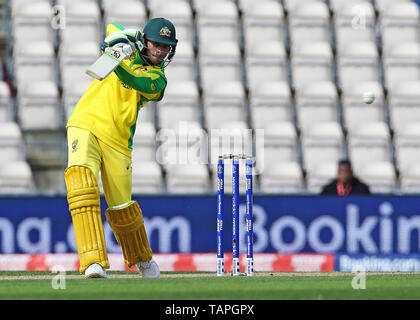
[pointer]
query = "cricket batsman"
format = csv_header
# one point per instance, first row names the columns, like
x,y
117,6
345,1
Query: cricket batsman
x,y
100,134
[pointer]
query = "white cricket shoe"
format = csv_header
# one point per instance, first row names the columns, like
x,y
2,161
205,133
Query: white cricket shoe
x,y
95,270
148,269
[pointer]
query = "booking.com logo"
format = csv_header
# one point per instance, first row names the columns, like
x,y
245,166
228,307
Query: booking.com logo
x,y
350,232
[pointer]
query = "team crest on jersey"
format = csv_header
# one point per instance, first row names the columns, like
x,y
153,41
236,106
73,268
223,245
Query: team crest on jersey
x,y
165,32
74,145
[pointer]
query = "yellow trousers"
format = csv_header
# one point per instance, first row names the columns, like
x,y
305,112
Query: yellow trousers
x,y
84,149
88,155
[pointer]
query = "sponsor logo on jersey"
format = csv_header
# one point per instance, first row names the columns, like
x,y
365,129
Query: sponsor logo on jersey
x,y
125,86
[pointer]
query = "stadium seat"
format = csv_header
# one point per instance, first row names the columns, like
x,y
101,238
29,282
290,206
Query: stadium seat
x,y
16,177
86,52
223,97
74,60
316,102
11,142
34,50
129,14
31,21
407,146
404,104
217,57
179,13
224,102
39,106
270,102
266,63
402,63
144,142
311,62
34,61
217,21
355,110
5,102
82,23
18,5
246,5
349,29
203,6
379,176
410,179
321,174
321,142
291,5
382,5
199,5
182,67
338,5
283,177
279,145
187,178
309,22
179,104
369,142
147,177
263,21
358,62
153,5
400,23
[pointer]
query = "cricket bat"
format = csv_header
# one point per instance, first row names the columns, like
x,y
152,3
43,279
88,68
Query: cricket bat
x,y
109,60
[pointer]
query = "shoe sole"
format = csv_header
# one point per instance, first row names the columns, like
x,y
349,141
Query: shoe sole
x,y
94,276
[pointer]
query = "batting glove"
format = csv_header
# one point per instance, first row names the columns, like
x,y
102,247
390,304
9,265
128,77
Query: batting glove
x,y
135,37
113,39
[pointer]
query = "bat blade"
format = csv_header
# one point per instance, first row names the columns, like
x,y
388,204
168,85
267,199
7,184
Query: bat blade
x,y
106,63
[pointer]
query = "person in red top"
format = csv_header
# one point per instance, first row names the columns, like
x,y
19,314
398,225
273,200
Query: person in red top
x,y
346,183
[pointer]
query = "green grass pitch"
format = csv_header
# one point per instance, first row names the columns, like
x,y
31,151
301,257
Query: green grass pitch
x,y
190,285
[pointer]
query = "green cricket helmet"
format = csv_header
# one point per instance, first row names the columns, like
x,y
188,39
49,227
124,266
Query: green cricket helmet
x,y
161,30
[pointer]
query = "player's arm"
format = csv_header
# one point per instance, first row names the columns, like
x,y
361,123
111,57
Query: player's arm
x,y
112,27
146,82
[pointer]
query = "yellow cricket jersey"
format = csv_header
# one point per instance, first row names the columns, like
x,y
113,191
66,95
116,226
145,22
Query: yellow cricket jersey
x,y
109,108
